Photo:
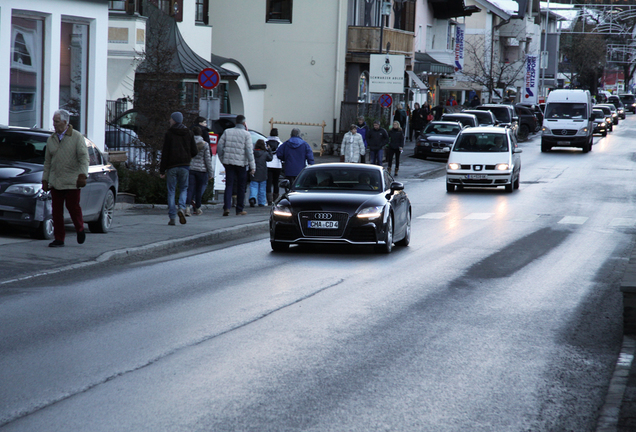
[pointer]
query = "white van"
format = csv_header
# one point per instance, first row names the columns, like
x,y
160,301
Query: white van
x,y
568,120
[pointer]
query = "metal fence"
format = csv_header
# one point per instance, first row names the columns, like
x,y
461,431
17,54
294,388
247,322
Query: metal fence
x,y
115,108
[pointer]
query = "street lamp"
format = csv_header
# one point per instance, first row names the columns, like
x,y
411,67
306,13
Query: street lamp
x,y
385,10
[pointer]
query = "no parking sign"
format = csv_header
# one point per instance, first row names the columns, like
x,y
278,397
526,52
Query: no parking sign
x,y
385,100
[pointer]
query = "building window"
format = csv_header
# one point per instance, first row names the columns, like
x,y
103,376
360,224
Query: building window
x,y
201,12
25,83
74,72
128,6
279,11
117,5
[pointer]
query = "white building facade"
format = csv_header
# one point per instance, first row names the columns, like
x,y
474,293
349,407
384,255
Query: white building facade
x,y
56,52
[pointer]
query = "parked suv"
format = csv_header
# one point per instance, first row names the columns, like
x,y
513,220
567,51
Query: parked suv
x,y
485,118
505,114
629,100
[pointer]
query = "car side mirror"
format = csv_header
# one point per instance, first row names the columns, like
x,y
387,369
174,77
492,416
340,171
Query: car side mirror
x,y
517,150
515,119
285,184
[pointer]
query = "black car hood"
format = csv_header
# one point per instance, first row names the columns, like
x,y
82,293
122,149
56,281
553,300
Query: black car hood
x,y
439,138
20,172
333,201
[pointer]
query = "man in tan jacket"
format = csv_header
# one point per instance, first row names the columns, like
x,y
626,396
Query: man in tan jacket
x,y
65,172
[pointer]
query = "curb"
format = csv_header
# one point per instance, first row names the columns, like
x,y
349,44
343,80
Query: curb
x,y
219,236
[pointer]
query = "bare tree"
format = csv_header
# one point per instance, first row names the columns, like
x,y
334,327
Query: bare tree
x,y
488,69
157,87
584,58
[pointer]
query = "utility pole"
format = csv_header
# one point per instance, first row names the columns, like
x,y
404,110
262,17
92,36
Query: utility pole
x,y
544,52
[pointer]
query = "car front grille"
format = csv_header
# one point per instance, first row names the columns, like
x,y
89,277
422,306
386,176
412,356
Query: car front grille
x,y
483,167
306,216
564,132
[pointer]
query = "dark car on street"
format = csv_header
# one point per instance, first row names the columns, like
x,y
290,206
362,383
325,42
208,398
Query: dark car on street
x,y
620,108
527,122
341,204
505,114
23,203
600,122
607,113
436,139
629,101
466,119
485,118
536,110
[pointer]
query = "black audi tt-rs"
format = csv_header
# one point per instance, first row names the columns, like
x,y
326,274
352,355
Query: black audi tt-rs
x,y
342,203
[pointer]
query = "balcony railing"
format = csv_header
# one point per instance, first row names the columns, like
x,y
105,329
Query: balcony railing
x,y
367,40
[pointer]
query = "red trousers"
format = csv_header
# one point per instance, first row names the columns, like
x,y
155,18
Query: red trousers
x,y
72,198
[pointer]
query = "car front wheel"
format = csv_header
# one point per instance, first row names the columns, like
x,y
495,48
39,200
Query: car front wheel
x,y
450,187
387,247
44,231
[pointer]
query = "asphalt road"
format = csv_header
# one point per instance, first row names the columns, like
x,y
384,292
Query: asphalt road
x,y
502,315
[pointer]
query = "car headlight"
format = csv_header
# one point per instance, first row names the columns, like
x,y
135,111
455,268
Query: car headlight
x,y
582,131
608,119
26,189
454,166
282,210
546,130
371,212
502,167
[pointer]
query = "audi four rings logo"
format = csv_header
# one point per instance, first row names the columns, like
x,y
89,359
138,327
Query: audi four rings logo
x,y
322,215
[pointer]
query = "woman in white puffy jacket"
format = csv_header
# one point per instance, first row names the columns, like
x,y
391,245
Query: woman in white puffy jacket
x,y
352,145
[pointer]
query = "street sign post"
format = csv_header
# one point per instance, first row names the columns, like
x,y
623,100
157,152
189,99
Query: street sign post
x,y
209,78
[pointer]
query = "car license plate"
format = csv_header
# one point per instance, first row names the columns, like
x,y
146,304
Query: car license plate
x,y
477,176
563,143
318,224
437,150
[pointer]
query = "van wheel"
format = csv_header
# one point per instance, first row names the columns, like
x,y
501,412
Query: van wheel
x,y
523,133
604,133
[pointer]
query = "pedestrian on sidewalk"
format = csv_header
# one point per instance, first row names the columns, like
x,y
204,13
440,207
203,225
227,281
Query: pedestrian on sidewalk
x,y
352,145
201,171
178,150
418,120
258,183
395,147
66,163
362,129
439,110
400,116
202,124
236,153
274,167
377,138
296,154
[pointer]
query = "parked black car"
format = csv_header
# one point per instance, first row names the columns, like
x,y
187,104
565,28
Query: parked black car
x,y
341,203
437,139
536,110
600,123
23,203
466,119
485,118
505,114
629,100
527,122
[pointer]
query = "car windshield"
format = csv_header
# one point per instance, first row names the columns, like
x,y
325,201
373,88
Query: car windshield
x,y
344,179
627,98
22,147
442,129
482,142
566,111
502,114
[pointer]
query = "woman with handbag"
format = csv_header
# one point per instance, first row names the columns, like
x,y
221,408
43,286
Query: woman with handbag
x,y
352,145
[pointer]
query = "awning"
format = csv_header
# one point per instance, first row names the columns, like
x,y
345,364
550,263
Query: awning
x,y
426,63
418,82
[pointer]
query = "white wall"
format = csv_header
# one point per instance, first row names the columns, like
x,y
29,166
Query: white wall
x,y
95,12
301,63
197,36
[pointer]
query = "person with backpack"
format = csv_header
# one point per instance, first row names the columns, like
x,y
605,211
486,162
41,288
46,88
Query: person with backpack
x,y
274,167
258,182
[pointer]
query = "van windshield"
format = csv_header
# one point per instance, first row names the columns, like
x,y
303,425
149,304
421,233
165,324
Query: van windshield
x,y
566,111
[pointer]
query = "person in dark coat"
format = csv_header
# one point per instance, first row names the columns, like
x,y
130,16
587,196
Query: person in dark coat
x,y
475,102
418,121
400,116
362,129
202,124
258,184
178,150
377,139
439,110
395,147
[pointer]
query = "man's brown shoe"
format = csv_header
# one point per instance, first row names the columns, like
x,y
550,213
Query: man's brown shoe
x,y
243,213
226,212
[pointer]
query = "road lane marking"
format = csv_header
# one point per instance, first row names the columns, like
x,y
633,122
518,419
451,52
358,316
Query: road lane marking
x,y
526,218
573,220
623,222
